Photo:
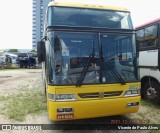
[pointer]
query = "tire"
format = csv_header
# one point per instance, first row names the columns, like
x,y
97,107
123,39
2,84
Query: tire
x,y
21,66
152,93
8,62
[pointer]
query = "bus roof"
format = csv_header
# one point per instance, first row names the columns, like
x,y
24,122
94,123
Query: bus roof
x,y
80,5
150,22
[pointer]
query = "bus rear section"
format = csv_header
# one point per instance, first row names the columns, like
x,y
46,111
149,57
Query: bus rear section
x,y
89,67
148,43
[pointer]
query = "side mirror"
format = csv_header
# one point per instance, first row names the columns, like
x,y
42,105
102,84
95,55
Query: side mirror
x,y
41,51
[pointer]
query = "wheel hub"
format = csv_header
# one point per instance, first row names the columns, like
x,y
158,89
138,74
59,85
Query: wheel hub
x,y
151,93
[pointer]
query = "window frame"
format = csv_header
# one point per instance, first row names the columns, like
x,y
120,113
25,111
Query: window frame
x,y
153,47
129,20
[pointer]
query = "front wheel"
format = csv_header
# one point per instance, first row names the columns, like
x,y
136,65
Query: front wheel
x,y
151,92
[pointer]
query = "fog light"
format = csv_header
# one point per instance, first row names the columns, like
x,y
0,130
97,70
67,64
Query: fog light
x,y
68,110
64,110
129,104
132,104
135,103
60,110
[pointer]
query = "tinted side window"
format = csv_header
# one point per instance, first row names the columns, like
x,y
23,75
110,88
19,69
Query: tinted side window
x,y
147,37
151,32
140,34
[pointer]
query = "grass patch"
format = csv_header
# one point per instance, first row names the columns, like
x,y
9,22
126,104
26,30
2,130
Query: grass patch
x,y
2,98
6,69
18,68
19,105
147,103
154,131
141,114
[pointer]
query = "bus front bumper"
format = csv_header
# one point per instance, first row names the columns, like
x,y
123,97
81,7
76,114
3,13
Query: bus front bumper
x,y
92,108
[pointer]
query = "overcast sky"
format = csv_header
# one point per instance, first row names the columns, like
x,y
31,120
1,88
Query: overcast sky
x,y
16,18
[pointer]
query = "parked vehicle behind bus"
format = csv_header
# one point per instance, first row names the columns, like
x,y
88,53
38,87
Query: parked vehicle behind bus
x,y
11,60
89,61
2,60
148,43
27,60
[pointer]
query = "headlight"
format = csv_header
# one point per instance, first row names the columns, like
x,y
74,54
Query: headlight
x,y
65,97
62,97
129,93
51,97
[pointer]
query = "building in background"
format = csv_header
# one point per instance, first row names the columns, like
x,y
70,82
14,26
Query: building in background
x,y
38,13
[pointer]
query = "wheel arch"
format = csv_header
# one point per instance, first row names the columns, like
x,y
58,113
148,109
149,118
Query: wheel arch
x,y
146,79
154,82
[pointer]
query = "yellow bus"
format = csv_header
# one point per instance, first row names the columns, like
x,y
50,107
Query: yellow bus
x,y
89,61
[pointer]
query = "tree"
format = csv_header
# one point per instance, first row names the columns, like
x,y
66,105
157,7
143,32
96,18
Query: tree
x,y
13,50
34,51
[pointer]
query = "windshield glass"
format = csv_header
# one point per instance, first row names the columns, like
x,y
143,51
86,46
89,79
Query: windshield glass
x,y
82,17
72,51
119,50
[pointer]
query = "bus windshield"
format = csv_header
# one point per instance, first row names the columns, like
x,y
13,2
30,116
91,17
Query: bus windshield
x,y
71,52
66,16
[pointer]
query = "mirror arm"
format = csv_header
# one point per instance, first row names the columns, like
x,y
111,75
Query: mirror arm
x,y
44,38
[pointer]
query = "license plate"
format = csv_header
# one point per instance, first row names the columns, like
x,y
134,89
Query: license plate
x,y
65,116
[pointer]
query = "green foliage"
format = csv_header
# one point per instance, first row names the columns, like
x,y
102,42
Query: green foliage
x,y
34,51
19,105
154,131
13,50
151,105
2,98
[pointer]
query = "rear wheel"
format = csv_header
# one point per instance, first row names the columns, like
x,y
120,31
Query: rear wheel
x,y
151,92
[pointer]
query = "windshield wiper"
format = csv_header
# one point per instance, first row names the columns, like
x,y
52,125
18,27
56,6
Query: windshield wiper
x,y
90,60
114,71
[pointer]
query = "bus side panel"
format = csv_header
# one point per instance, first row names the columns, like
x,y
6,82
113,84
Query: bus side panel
x,y
159,58
149,64
148,58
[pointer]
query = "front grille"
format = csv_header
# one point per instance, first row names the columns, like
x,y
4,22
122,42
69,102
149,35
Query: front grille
x,y
100,94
